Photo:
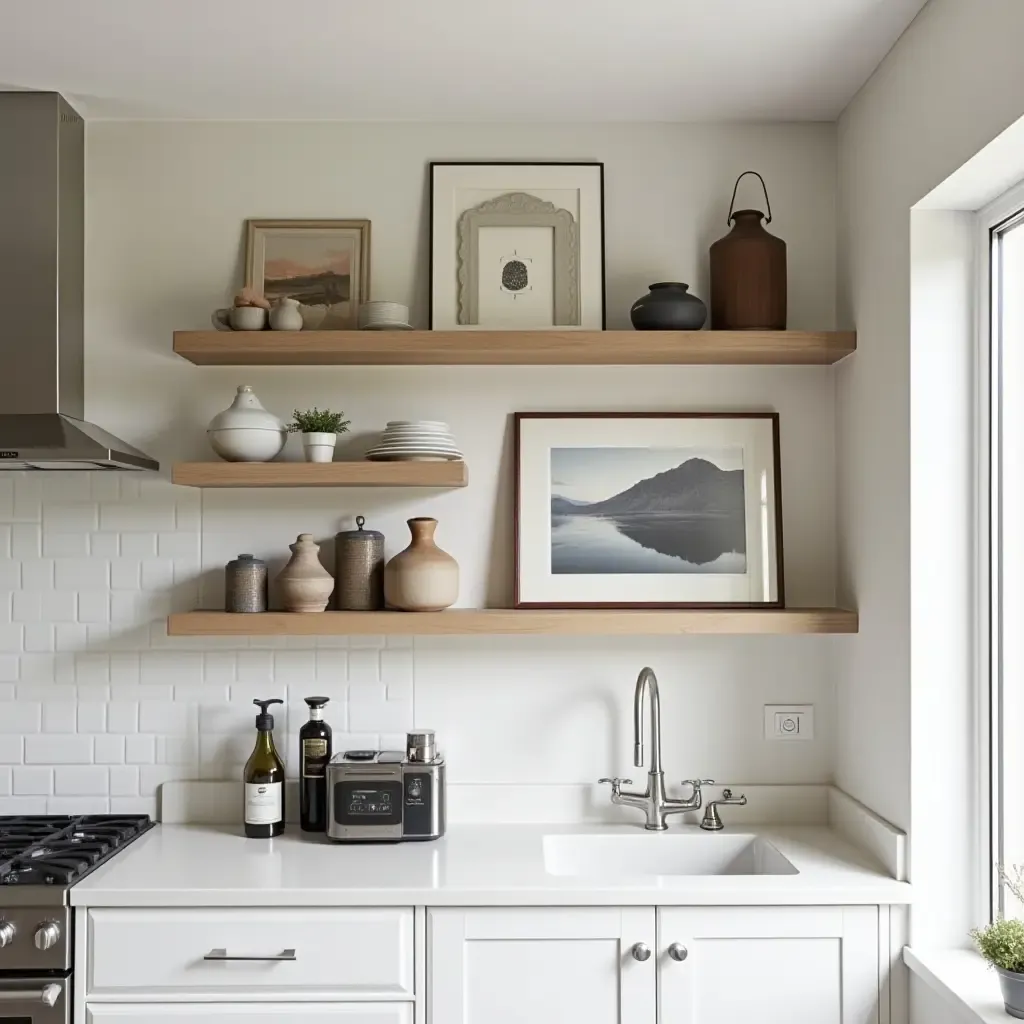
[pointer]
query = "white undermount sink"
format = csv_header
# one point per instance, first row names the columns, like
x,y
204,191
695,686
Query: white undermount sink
x,y
637,855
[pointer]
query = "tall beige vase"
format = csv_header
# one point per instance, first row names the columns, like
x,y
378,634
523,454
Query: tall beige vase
x,y
305,585
422,578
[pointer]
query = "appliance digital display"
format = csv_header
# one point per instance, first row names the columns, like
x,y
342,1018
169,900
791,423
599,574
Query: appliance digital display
x,y
368,803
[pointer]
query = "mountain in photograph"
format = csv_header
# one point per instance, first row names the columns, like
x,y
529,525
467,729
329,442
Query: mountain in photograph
x,y
696,486
325,288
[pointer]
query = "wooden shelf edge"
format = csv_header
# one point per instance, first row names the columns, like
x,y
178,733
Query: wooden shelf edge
x,y
522,348
312,474
492,621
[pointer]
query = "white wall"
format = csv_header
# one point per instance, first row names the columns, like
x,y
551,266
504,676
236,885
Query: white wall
x,y
166,205
952,83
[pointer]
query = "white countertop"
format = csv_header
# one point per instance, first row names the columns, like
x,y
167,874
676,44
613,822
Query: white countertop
x,y
483,865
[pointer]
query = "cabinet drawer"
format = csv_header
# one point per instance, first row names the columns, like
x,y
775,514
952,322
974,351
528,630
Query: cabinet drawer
x,y
323,954
251,1013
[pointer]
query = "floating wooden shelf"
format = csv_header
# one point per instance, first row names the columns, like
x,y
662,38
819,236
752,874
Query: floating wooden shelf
x,y
320,474
451,348
463,621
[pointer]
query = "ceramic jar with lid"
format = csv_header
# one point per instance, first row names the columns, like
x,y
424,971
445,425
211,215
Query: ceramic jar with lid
x,y
304,584
422,578
245,584
359,569
245,431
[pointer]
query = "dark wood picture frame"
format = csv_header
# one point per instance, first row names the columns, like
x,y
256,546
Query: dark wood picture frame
x,y
599,164
772,417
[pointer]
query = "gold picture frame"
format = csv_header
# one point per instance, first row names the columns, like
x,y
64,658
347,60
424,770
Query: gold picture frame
x,y
320,263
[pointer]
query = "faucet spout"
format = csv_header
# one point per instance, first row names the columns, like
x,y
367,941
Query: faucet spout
x,y
647,681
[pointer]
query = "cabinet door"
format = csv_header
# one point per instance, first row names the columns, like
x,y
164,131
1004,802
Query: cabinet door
x,y
769,965
545,966
249,1013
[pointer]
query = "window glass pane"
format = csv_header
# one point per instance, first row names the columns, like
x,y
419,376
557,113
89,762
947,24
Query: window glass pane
x,y
1008,329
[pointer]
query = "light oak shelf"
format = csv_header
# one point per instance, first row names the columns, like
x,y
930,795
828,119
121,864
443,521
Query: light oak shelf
x,y
488,348
489,621
320,474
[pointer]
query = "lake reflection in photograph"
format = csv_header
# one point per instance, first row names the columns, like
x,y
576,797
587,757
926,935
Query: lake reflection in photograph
x,y
647,510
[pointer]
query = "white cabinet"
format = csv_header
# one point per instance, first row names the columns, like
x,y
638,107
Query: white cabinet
x,y
769,965
305,953
250,1013
545,966
737,965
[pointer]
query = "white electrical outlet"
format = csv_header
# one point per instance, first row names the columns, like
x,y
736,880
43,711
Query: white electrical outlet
x,y
789,721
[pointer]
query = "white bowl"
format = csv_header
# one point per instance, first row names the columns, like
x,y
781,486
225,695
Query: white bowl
x,y
417,423
247,444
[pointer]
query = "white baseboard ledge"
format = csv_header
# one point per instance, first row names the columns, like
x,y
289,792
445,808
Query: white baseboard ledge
x,y
962,980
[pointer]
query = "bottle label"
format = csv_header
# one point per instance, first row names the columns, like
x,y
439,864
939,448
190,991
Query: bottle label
x,y
314,759
263,802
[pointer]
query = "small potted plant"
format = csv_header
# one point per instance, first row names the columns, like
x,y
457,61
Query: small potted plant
x,y
320,430
1002,944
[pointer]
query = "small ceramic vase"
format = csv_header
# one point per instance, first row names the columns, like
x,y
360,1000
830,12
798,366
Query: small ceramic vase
x,y
668,306
319,447
305,585
240,318
286,315
245,431
422,578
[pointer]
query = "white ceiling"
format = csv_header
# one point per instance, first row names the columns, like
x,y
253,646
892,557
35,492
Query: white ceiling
x,y
451,60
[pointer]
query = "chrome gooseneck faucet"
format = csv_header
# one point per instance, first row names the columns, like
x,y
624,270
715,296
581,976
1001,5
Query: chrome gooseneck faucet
x,y
653,802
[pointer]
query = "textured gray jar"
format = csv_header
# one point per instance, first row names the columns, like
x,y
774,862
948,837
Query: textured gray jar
x,y
245,585
359,569
1013,992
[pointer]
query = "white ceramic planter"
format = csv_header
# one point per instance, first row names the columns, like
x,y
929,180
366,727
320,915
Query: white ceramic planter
x,y
319,447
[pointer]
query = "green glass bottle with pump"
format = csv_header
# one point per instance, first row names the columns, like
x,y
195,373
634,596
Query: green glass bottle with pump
x,y
264,779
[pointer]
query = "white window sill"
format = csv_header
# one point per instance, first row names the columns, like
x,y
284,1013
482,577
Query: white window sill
x,y
962,980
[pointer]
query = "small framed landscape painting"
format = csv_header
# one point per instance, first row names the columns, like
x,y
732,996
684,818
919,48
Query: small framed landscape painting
x,y
324,264
648,510
516,246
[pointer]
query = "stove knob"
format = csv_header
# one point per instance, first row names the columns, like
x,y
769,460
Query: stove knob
x,y
7,933
47,935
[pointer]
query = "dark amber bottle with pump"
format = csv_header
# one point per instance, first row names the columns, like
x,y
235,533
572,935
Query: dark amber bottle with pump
x,y
314,753
264,780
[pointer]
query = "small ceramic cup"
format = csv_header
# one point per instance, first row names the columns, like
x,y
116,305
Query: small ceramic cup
x,y
240,318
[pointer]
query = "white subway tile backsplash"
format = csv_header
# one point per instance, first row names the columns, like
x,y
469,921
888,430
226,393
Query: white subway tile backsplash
x,y
108,749
122,716
124,780
11,750
57,749
11,637
20,717
92,716
37,574
78,805
137,545
139,749
81,573
125,574
81,780
65,545
38,637
26,540
32,781
62,717
166,717
93,606
364,666
106,545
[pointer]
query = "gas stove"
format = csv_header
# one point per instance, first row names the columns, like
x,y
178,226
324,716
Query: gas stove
x,y
41,858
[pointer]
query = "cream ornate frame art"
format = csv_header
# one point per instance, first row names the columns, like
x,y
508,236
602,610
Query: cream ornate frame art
x,y
517,246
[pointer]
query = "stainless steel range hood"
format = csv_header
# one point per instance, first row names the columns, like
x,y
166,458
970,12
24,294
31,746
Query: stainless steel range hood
x,y
42,232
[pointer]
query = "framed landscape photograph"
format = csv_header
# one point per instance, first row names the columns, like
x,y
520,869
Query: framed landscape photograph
x,y
648,510
324,264
516,246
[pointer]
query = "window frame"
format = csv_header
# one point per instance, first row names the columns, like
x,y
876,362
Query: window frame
x,y
1003,213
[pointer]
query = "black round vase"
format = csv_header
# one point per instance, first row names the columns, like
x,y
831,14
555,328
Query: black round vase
x,y
668,306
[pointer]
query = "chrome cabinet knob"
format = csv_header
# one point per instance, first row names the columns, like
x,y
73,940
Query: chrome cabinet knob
x,y
47,935
678,952
7,933
641,951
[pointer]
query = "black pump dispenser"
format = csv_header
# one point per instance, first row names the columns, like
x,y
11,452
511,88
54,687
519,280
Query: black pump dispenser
x,y
265,720
264,779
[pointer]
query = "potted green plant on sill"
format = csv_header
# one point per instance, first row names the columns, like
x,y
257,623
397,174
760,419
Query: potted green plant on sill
x,y
320,430
1002,944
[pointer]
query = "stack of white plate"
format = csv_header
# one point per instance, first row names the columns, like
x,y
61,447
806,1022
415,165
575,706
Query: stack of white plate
x,y
383,316
415,441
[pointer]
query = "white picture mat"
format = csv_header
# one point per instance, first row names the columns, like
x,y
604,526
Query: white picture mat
x,y
456,188
530,309
537,584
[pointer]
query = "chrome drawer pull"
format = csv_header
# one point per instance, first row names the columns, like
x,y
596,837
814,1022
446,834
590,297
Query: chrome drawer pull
x,y
222,954
47,995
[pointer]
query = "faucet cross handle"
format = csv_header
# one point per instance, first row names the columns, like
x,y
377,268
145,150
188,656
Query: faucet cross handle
x,y
696,784
616,783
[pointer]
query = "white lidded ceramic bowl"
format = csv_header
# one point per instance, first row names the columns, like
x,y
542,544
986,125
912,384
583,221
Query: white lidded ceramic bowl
x,y
245,431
